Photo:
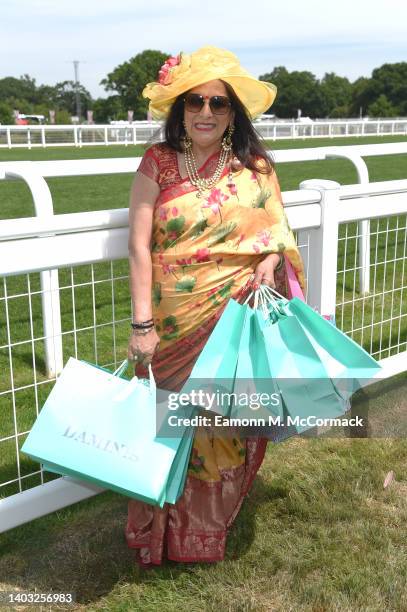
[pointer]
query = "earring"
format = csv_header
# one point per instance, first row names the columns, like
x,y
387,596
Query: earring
x,y
187,137
227,140
227,146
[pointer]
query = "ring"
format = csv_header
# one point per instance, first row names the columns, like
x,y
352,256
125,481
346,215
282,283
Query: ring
x,y
135,357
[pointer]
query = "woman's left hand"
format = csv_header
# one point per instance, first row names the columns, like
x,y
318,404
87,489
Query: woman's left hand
x,y
264,272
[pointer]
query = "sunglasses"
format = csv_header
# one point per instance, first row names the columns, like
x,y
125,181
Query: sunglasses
x,y
219,105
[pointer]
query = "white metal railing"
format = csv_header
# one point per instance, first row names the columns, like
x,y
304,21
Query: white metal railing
x,y
89,250
139,132
34,174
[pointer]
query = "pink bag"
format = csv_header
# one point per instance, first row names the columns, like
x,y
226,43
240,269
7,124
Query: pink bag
x,y
294,287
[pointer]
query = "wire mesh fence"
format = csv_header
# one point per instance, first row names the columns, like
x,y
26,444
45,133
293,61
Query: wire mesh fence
x,y
95,314
377,320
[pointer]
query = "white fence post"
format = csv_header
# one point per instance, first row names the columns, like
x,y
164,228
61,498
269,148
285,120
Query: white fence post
x,y
51,314
322,258
51,309
363,226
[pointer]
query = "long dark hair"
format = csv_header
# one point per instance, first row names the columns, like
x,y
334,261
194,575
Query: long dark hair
x,y
247,143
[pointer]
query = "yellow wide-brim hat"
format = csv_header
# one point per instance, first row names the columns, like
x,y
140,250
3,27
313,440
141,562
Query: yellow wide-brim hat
x,y
182,73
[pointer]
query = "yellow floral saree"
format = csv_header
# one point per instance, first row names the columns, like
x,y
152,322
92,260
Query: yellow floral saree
x,y
204,251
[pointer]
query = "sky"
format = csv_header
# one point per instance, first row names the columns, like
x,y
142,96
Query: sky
x,y
43,37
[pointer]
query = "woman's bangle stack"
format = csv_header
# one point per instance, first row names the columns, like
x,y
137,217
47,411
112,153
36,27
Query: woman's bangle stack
x,y
140,328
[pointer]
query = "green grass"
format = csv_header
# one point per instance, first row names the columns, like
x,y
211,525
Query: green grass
x,y
318,531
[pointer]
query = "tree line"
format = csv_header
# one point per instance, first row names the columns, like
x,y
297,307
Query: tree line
x,y
384,94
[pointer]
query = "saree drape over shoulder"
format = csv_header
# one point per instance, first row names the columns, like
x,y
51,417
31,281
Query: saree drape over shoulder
x,y
204,251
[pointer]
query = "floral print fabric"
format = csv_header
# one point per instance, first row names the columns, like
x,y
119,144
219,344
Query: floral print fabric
x,y
205,249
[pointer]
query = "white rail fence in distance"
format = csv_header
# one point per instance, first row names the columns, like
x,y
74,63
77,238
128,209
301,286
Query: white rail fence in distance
x,y
139,132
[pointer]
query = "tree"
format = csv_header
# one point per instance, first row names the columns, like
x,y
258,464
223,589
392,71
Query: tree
x,y
24,88
64,97
62,117
23,95
339,112
47,95
108,109
389,80
129,79
21,105
336,94
6,114
361,97
382,107
295,90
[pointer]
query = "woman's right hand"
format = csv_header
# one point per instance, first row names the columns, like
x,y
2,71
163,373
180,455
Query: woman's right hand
x,y
142,347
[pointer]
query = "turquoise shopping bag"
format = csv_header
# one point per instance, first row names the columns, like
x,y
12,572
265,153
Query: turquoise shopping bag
x,y
347,363
343,358
214,370
306,389
257,398
179,437
255,394
178,474
102,428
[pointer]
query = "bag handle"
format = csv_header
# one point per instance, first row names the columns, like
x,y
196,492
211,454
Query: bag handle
x,y
264,298
134,381
271,293
263,304
125,364
259,301
122,368
257,295
270,298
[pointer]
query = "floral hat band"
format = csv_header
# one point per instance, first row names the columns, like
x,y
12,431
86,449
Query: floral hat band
x,y
182,73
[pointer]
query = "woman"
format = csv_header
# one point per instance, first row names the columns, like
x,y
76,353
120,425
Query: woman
x,y
206,224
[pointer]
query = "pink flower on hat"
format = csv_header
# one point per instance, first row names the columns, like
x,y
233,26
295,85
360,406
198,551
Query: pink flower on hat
x,y
165,72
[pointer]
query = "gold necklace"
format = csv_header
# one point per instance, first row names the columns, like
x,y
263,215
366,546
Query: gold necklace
x,y
205,184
